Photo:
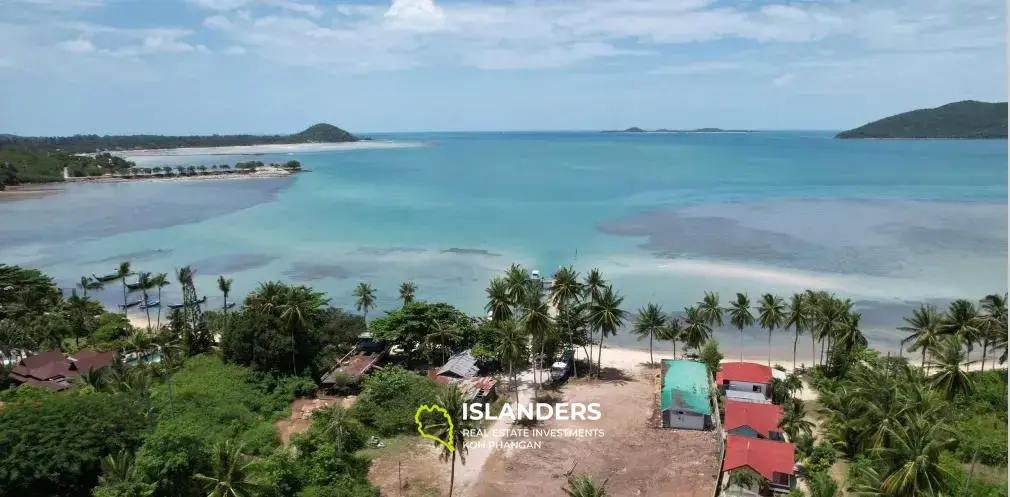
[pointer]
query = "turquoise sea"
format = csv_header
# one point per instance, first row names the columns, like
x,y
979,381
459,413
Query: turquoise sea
x,y
665,216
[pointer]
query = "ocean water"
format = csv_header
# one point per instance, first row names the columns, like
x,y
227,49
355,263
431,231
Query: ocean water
x,y
889,224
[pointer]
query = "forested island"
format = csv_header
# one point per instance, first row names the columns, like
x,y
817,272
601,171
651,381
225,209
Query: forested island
x,y
969,119
43,159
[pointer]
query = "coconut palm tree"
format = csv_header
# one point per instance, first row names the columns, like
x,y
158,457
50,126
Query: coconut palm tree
x,y
607,316
407,290
696,330
224,285
160,281
338,426
453,402
796,317
585,486
948,359
822,485
498,306
517,281
592,287
994,318
121,273
535,321
794,420
512,348
672,332
297,307
923,328
138,342
144,283
710,310
120,471
771,315
964,322
444,336
917,446
740,316
364,298
232,474
566,288
648,323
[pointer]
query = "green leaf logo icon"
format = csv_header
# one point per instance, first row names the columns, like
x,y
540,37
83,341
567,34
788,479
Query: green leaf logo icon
x,y
448,422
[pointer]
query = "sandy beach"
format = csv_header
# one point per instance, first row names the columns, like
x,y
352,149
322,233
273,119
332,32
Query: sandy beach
x,y
290,148
24,192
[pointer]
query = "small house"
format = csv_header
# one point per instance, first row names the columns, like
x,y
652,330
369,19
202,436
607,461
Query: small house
x,y
745,381
365,356
771,460
685,400
460,366
752,419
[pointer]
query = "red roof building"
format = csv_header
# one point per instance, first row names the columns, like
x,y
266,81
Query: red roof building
x,y
746,372
54,370
770,459
751,419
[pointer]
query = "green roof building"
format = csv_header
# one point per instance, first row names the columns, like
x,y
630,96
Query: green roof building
x,y
685,400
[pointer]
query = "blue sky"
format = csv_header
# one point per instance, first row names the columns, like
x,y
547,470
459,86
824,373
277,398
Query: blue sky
x,y
226,66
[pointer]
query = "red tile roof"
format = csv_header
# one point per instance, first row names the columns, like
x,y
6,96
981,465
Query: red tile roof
x,y
765,457
743,371
762,418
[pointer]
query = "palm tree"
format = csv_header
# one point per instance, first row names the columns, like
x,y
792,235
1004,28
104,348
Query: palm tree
x,y
88,283
794,420
444,336
499,306
517,281
696,329
710,310
592,287
535,321
948,359
232,474
224,285
994,318
796,318
160,281
122,272
407,290
120,471
916,449
607,316
138,342
297,306
585,486
822,485
364,296
740,316
771,315
671,332
338,426
649,321
453,402
144,283
963,321
512,348
566,288
923,327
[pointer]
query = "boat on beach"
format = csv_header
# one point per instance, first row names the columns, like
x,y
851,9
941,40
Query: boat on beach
x,y
203,300
151,302
133,303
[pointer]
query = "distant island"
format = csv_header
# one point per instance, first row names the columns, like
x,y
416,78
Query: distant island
x,y
968,119
635,129
50,159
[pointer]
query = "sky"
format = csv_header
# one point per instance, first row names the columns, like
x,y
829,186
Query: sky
x,y
278,66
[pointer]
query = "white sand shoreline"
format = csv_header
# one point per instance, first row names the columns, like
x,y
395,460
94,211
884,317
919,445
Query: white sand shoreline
x,y
280,148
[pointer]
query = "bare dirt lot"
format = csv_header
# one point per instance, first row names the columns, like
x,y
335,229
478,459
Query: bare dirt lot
x,y
636,456
301,415
411,463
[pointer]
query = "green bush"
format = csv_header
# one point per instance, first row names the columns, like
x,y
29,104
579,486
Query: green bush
x,y
957,479
390,399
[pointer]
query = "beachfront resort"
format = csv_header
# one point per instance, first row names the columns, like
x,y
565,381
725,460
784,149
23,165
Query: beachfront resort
x,y
292,385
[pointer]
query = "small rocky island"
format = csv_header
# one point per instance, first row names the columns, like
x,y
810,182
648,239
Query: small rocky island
x,y
968,119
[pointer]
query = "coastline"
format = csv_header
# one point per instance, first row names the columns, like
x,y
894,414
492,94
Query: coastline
x,y
281,148
30,191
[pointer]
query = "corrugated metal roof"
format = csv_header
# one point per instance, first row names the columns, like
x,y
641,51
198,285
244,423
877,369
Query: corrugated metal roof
x,y
685,386
461,365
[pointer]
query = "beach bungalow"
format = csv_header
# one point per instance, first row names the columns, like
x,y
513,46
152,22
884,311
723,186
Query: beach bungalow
x,y
685,399
745,381
752,419
460,366
54,370
772,461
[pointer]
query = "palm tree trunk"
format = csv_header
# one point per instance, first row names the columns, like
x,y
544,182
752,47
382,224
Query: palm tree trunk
x,y
985,349
924,366
741,344
813,350
147,309
796,340
294,354
599,357
769,347
452,473
159,308
674,349
650,348
124,296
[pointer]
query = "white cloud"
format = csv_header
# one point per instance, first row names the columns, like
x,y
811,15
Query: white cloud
x,y
420,15
217,22
77,46
784,79
700,68
235,50
55,5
